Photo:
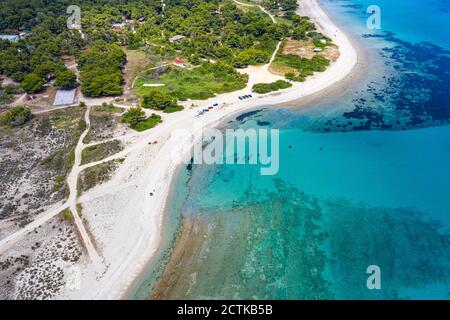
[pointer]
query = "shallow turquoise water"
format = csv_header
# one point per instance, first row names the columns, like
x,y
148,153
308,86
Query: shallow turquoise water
x,y
379,168
364,180
340,203
413,21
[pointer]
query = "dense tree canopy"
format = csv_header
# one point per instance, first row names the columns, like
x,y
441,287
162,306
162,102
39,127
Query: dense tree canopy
x,y
216,30
100,68
32,83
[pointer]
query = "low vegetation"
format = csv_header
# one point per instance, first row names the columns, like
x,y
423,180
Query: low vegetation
x,y
62,160
216,37
7,94
97,175
303,67
255,56
178,108
32,83
159,101
16,116
105,122
200,83
101,70
270,87
275,5
67,215
138,121
100,151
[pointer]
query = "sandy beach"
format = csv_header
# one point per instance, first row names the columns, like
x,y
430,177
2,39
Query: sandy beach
x,y
125,215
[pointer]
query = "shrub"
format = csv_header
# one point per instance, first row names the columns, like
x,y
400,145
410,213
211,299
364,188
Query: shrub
x,y
67,215
293,77
138,121
269,87
133,116
66,79
157,100
250,56
148,123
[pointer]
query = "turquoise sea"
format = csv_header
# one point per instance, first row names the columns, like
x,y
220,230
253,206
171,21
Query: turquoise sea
x,y
364,180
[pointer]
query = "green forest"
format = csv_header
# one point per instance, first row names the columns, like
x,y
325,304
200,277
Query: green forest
x,y
210,30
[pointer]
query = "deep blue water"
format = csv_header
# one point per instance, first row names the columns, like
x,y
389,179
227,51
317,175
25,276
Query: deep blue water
x,y
364,180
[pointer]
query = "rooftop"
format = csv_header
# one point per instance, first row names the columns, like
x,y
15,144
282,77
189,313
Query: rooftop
x,y
64,97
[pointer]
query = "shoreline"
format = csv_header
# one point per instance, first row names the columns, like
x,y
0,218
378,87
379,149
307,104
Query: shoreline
x,y
353,74
137,241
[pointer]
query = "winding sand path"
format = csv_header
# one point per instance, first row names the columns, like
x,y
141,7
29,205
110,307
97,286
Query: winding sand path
x,y
71,203
72,181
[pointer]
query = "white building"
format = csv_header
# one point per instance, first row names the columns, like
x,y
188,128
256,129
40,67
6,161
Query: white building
x,y
10,38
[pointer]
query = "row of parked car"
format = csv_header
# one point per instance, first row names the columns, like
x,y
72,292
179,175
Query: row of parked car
x,y
202,112
248,96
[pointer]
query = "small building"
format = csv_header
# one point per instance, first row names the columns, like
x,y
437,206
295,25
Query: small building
x,y
179,63
127,25
10,38
176,39
64,98
318,50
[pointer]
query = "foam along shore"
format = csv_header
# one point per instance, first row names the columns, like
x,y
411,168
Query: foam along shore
x,y
126,214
